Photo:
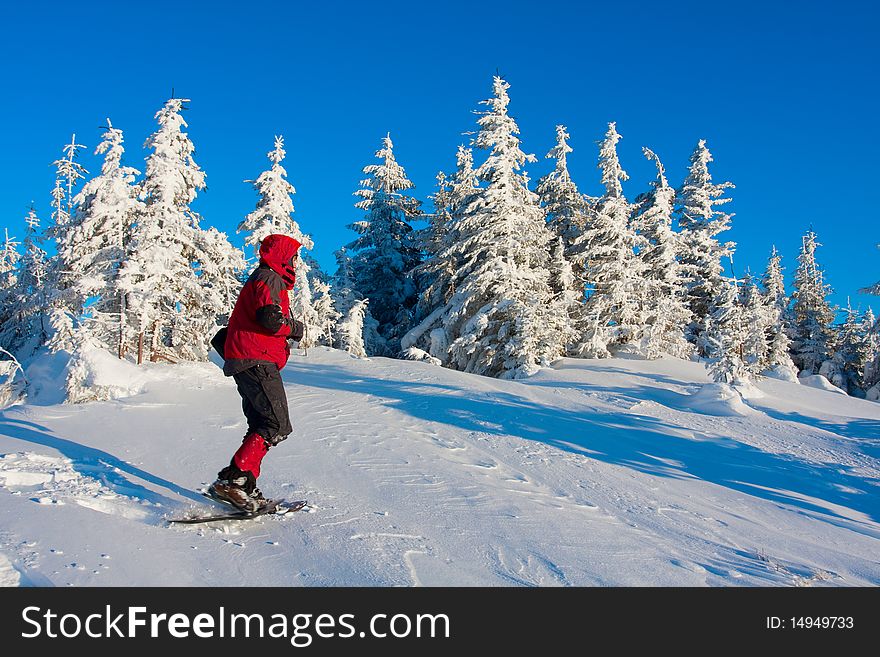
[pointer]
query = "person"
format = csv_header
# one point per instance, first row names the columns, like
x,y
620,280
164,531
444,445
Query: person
x,y
256,348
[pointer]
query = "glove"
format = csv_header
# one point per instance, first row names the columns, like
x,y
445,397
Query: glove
x,y
270,317
297,329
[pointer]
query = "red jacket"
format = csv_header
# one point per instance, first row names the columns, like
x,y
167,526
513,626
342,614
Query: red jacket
x,y
252,334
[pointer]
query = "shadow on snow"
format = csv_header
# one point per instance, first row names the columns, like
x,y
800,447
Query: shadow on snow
x,y
621,438
108,469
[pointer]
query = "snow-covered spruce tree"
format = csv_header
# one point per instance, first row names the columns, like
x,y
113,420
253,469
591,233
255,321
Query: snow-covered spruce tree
x,y
463,183
274,214
871,376
28,304
872,372
440,273
12,381
327,314
351,329
433,276
97,242
274,211
345,297
386,253
778,342
756,322
173,298
220,272
813,342
9,256
9,259
567,212
700,252
65,303
725,332
852,355
503,319
68,173
10,368
567,209
344,293
567,290
322,314
614,277
665,305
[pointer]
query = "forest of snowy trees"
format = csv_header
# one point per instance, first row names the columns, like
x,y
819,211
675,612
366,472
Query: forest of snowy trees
x,y
503,276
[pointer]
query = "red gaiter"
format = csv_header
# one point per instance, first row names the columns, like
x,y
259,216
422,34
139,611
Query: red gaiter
x,y
250,454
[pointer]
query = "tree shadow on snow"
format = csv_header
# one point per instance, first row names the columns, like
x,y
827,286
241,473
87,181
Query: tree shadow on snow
x,y
95,463
863,430
647,444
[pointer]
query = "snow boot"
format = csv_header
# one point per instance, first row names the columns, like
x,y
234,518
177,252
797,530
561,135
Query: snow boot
x,y
238,488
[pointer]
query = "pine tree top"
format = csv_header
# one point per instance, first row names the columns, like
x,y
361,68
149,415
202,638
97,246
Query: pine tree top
x,y
498,134
612,173
387,179
172,176
699,196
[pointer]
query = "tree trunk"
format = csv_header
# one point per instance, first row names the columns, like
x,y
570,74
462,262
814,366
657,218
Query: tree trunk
x,y
121,345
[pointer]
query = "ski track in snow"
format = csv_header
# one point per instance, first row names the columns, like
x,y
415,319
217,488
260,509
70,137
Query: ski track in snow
x,y
589,473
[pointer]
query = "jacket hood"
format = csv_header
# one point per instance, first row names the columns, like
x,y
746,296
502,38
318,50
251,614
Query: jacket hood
x,y
277,251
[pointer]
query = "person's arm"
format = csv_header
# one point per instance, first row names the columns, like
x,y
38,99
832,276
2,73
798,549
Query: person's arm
x,y
268,314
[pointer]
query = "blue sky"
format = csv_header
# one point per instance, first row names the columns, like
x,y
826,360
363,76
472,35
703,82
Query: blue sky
x,y
785,94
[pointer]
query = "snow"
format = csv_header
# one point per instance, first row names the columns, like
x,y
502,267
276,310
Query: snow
x,y
820,382
718,399
593,472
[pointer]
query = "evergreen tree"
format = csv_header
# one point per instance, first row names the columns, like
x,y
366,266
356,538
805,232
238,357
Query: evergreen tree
x,y
9,259
700,223
386,254
813,342
220,272
433,276
664,303
725,332
344,293
274,214
464,183
168,277
441,267
274,211
327,315
756,324
345,298
351,330
871,329
68,173
566,207
606,253
27,305
853,354
97,243
776,301
9,264
502,320
774,283
65,304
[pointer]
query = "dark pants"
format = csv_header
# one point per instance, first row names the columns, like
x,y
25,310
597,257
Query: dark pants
x,y
264,402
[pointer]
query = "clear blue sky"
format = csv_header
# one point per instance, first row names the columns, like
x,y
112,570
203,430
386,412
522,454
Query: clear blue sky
x,y
785,93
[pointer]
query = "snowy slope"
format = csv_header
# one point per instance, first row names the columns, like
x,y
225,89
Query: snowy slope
x,y
609,472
